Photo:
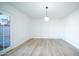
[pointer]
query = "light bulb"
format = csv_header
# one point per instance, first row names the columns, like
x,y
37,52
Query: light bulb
x,y
46,18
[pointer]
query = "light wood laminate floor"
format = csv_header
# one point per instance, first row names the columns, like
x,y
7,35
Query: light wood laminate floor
x,y
44,47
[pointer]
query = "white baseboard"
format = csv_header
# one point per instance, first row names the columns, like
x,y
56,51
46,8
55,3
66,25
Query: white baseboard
x,y
44,38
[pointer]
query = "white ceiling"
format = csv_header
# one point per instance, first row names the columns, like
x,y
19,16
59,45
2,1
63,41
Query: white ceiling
x,y
37,9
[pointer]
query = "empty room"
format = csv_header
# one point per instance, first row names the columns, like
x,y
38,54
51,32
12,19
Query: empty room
x,y
39,28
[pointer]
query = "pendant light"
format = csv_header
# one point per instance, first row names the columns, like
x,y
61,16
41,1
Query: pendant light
x,y
46,18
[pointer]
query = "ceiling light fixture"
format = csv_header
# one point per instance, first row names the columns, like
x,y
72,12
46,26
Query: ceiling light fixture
x,y
46,16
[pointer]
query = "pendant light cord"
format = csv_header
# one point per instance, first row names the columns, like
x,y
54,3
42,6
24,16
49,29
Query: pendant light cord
x,y
46,11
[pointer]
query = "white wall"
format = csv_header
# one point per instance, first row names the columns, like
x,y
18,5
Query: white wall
x,y
72,28
19,25
51,29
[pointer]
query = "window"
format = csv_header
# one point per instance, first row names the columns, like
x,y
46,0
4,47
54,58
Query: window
x,y
4,31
